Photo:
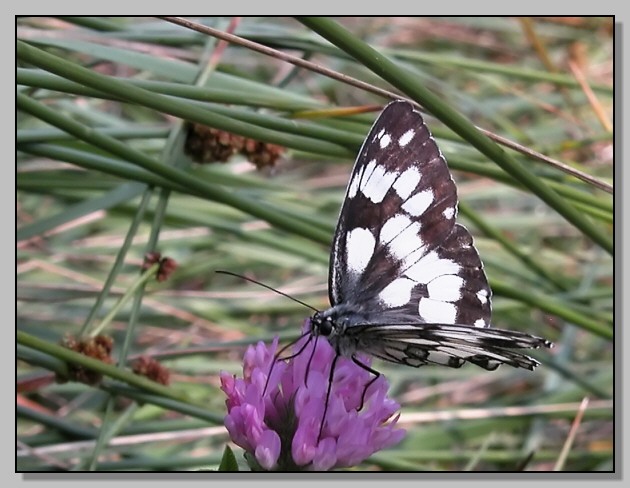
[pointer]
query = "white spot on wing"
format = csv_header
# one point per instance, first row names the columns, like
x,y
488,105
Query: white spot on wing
x,y
359,249
430,267
406,242
413,361
418,203
482,295
367,173
439,357
403,327
354,185
449,212
480,323
393,227
397,293
378,184
464,350
407,182
385,140
406,138
446,288
459,353
458,334
421,342
437,312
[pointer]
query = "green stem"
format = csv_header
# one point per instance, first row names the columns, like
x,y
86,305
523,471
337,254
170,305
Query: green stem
x,y
552,306
183,109
495,234
407,82
143,278
212,192
69,356
118,262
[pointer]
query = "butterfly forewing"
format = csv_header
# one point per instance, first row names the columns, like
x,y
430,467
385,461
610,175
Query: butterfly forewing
x,y
406,283
397,254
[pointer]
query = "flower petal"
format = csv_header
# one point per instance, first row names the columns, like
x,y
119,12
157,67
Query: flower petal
x,y
268,449
283,403
325,455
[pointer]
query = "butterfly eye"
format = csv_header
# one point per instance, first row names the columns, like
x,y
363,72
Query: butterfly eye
x,y
326,327
320,325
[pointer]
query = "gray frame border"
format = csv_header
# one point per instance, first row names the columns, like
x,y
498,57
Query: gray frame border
x,y
473,480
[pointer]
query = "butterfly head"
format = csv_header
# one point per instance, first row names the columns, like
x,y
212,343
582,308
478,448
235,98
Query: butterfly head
x,y
335,323
331,325
323,325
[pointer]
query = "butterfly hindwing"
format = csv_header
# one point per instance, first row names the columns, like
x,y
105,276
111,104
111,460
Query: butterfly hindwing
x,y
446,345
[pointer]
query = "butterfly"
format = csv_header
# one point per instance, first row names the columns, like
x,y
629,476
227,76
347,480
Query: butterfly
x,y
406,284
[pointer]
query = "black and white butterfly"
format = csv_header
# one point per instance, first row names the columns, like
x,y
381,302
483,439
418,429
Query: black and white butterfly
x,y
405,282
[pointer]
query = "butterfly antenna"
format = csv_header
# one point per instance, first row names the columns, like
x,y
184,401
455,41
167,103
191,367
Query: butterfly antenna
x,y
268,288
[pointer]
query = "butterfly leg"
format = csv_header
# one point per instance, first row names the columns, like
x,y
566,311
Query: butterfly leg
x,y
330,382
308,365
370,370
278,358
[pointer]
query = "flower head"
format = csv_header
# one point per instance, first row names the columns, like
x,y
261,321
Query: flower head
x,y
279,426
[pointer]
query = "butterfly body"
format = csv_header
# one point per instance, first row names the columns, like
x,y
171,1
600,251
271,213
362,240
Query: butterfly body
x,y
406,283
